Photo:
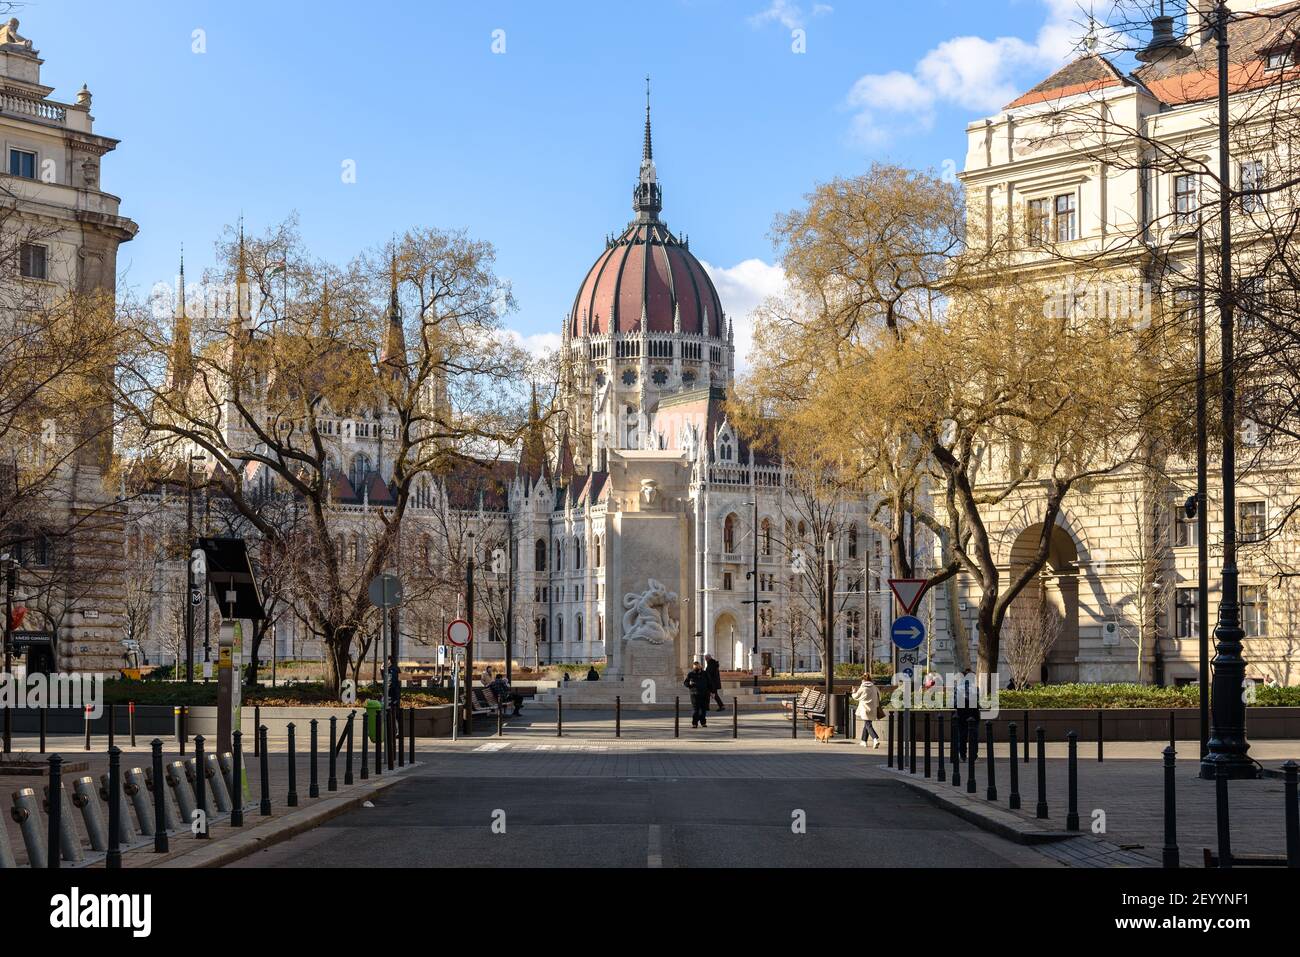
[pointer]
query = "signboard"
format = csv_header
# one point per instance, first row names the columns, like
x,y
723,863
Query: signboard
x,y
908,591
385,591
907,632
907,663
459,632
442,655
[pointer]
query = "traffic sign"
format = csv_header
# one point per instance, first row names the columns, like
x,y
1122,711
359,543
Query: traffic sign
x,y
459,632
196,596
908,591
907,632
385,591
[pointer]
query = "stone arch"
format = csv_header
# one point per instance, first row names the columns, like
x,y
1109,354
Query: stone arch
x,y
1057,586
728,642
730,533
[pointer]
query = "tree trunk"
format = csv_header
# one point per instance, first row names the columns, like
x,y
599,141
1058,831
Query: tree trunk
x,y
338,643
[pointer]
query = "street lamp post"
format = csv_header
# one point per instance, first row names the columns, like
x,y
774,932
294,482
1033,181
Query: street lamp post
x,y
752,575
1227,746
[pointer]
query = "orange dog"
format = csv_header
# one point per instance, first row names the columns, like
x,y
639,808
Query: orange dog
x,y
824,732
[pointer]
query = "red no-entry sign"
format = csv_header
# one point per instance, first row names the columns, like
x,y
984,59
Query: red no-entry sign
x,y
459,632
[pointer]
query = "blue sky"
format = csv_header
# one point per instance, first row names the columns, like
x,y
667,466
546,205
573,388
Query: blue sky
x,y
536,148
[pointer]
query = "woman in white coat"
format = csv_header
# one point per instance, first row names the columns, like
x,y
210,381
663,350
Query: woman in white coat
x,y
868,698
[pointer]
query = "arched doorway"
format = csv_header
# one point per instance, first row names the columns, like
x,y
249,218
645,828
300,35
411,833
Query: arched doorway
x,y
729,643
1056,588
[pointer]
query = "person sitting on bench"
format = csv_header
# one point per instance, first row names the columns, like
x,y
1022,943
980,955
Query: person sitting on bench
x,y
501,691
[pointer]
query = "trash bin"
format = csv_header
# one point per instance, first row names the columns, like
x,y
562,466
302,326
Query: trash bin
x,y
372,720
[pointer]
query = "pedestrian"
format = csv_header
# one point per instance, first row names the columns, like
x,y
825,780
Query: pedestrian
x,y
868,698
593,674
394,685
714,671
697,679
966,705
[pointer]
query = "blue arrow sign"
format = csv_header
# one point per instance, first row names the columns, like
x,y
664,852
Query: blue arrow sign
x,y
907,632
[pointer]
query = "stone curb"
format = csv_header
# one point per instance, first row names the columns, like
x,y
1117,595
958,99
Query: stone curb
x,y
986,815
273,832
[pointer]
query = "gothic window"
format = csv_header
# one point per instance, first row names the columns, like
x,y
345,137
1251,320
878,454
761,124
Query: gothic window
x,y
729,534
559,554
600,558
629,376
539,556
360,469
688,378
724,448
539,630
660,376
767,538
577,629
559,628
577,553
853,541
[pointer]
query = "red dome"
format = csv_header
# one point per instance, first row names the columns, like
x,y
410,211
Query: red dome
x,y
618,288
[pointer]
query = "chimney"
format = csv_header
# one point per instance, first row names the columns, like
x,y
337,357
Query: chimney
x,y
1200,21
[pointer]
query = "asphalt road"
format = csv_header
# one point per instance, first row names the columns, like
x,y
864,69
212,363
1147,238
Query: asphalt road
x,y
620,810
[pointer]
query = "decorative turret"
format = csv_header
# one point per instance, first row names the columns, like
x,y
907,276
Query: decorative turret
x,y
394,353
181,368
647,198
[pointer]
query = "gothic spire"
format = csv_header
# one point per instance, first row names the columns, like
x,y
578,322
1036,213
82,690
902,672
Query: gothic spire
x,y
647,199
647,151
182,355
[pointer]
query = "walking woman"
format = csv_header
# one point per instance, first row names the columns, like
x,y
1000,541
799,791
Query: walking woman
x,y
868,698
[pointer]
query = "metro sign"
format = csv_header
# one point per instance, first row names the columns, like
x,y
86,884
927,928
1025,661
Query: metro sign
x,y
908,591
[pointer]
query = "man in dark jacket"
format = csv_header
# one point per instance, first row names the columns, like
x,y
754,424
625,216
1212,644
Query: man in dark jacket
x,y
714,671
698,681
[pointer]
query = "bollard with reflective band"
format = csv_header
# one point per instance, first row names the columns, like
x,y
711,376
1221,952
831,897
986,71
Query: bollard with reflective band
x,y
217,785
1169,853
265,808
113,859
178,781
1072,782
313,782
53,810
170,816
125,832
291,799
160,808
236,778
27,815
1040,810
138,793
1013,800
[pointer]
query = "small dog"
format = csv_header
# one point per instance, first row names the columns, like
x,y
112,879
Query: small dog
x,y
823,732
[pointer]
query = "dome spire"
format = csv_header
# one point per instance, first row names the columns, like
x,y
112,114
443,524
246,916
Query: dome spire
x,y
647,199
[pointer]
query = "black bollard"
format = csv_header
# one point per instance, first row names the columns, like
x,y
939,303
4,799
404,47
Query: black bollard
x,y
956,757
365,752
735,718
236,778
113,860
291,799
942,775
44,714
972,749
500,721
927,744
53,850
911,741
1026,727
891,740
1169,855
410,737
1100,735
265,809
87,717
1072,787
332,782
257,735
379,743
1289,771
401,738
347,762
1013,799
1041,810
677,716
160,843
111,722
794,719
1171,729
618,716
185,728
1221,815
559,716
991,792
313,782
130,721
200,787
390,738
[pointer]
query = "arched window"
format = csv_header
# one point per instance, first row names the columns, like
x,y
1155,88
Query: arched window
x,y
577,629
559,628
767,538
539,555
539,630
360,469
853,541
600,628
559,554
729,534
577,553
599,557
724,448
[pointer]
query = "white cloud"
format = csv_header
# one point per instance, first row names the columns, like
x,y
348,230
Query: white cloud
x,y
789,14
742,289
979,75
537,343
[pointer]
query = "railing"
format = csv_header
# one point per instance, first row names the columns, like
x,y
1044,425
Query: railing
x,y
41,109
